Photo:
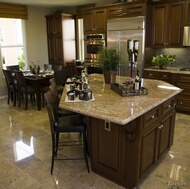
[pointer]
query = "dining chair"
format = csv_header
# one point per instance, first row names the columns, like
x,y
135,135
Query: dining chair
x,y
60,79
11,86
64,124
47,67
56,67
13,67
72,69
24,89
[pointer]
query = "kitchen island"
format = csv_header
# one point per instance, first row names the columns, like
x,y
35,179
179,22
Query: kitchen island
x,y
127,136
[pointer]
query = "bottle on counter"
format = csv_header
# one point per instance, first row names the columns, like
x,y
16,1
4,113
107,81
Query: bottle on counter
x,y
137,81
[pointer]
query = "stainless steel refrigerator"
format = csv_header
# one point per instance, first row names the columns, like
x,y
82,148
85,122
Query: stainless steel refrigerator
x,y
118,32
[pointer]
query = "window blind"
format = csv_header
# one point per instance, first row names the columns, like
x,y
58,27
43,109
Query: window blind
x,y
13,11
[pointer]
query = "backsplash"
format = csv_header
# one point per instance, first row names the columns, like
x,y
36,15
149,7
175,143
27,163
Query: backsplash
x,y
182,56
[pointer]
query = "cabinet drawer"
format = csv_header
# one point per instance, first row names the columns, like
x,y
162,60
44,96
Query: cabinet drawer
x,y
151,117
183,104
186,89
151,74
168,107
165,76
115,12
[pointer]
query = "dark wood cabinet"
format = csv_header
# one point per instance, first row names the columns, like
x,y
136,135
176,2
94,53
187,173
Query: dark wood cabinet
x,y
157,135
168,22
164,76
95,21
183,99
127,153
187,13
60,38
180,80
127,10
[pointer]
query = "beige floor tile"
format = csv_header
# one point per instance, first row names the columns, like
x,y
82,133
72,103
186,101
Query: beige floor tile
x,y
26,134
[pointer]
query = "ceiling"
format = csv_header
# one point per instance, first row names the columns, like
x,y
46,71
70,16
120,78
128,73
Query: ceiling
x,y
58,3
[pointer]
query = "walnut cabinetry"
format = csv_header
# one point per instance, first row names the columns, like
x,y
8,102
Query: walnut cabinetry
x,y
183,99
168,22
187,13
157,134
126,153
180,80
95,21
164,76
126,10
60,38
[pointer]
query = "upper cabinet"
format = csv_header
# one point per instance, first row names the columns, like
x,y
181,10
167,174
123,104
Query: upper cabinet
x,y
168,22
126,10
95,21
187,14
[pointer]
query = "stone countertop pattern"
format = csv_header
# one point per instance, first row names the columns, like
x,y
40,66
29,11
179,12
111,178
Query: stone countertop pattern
x,y
112,107
168,69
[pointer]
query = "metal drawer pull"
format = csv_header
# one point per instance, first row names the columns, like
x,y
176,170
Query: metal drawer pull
x,y
169,106
181,102
150,74
165,75
152,116
160,127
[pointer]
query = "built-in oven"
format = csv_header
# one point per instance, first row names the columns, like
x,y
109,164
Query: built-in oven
x,y
93,43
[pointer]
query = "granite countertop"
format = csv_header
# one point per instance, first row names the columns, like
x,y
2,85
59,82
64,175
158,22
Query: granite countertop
x,y
168,69
110,106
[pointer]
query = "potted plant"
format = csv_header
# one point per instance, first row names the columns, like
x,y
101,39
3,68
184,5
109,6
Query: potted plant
x,y
163,60
109,59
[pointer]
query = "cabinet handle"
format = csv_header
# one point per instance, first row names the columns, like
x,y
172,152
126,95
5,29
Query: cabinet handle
x,y
169,106
152,116
160,127
181,102
150,74
164,75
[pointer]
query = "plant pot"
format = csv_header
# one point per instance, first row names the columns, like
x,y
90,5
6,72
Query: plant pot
x,y
162,67
109,76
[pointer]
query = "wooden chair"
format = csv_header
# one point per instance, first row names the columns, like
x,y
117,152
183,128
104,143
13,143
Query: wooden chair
x,y
64,124
13,67
56,67
24,89
11,86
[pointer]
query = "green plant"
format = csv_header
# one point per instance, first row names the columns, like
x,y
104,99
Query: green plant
x,y
163,60
21,61
109,58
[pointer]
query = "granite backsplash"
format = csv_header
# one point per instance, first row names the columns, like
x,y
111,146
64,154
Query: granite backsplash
x,y
182,56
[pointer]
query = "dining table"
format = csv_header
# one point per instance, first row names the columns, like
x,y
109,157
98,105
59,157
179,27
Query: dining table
x,y
37,81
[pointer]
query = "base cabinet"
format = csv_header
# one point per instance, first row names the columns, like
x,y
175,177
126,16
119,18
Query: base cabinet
x,y
125,154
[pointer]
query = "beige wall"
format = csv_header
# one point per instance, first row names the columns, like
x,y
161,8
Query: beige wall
x,y
36,41
36,37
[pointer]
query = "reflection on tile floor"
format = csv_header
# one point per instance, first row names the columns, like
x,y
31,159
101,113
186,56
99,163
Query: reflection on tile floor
x,y
25,155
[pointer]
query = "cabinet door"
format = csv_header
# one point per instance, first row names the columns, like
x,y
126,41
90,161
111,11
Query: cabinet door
x,y
151,74
175,23
100,20
166,128
168,21
187,13
88,21
149,148
159,24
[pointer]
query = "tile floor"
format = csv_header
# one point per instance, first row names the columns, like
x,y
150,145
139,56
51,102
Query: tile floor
x,y
25,155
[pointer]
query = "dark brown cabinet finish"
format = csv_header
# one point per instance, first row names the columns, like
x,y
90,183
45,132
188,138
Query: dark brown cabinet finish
x,y
95,21
168,22
126,10
183,99
60,37
125,154
187,13
180,80
164,76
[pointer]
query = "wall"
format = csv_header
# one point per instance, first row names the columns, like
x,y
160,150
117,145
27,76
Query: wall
x,y
182,56
36,37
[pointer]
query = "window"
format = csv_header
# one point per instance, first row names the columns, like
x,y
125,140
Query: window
x,y
12,43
